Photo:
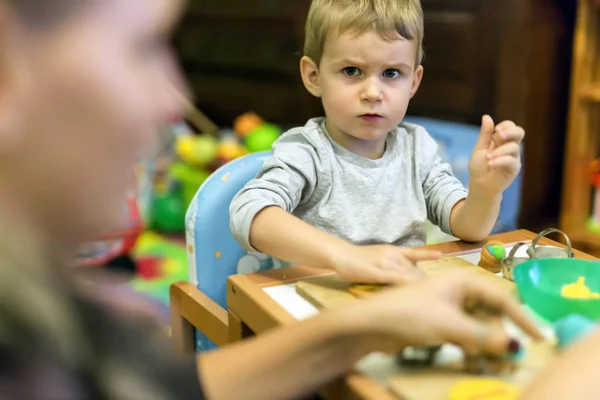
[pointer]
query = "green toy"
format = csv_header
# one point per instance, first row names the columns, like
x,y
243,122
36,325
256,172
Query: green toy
x,y
168,213
498,251
190,179
540,282
262,137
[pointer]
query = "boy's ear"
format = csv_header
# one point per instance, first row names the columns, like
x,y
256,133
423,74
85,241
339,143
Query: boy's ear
x,y
310,76
417,77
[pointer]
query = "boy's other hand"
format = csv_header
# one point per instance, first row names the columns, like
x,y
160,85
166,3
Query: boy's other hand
x,y
382,264
496,158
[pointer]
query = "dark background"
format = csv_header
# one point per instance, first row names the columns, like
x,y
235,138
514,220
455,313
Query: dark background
x,y
508,58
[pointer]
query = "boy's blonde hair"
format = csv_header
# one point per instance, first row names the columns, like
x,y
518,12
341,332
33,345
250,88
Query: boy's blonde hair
x,y
386,17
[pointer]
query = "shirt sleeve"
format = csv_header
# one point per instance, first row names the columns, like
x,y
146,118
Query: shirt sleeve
x,y
286,179
441,188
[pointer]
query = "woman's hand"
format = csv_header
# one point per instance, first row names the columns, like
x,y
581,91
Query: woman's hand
x,y
432,312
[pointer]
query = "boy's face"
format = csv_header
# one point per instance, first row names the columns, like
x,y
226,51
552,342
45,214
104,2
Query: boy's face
x,y
365,82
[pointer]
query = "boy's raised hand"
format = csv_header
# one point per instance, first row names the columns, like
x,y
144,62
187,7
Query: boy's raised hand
x,y
496,158
382,264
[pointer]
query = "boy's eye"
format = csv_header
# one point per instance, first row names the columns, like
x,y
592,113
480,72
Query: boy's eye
x,y
391,73
351,71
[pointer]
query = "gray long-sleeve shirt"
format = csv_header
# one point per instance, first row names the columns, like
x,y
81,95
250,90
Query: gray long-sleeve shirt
x,y
363,201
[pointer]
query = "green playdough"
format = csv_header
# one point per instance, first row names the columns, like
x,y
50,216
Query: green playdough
x,y
262,138
497,251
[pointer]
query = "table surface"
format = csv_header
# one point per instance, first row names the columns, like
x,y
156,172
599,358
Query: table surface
x,y
268,299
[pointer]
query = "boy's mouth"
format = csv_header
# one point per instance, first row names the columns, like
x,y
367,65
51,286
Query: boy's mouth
x,y
371,117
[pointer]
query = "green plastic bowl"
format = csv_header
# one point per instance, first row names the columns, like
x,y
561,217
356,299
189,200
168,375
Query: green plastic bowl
x,y
539,283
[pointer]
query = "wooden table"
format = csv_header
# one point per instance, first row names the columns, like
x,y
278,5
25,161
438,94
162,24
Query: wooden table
x,y
253,311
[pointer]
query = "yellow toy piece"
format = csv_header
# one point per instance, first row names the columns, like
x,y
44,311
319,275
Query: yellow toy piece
x,y
185,147
483,389
197,150
366,287
230,150
578,290
361,290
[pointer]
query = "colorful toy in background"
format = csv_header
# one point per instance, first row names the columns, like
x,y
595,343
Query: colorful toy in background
x,y
166,210
594,223
160,262
256,134
195,157
178,162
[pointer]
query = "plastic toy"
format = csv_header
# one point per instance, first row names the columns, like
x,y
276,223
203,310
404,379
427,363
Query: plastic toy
x,y
483,389
246,123
228,150
190,159
540,282
492,255
168,213
257,134
189,180
197,151
262,138
570,329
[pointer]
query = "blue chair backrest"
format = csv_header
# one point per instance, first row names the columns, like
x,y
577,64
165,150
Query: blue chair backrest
x,y
213,253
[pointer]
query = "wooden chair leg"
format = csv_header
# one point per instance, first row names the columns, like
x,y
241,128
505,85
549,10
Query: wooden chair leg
x,y
190,308
182,331
237,329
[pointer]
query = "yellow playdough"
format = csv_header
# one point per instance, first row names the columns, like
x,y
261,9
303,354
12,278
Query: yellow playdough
x,y
579,290
483,389
366,287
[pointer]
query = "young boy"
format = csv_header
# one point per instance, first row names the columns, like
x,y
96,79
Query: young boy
x,y
352,191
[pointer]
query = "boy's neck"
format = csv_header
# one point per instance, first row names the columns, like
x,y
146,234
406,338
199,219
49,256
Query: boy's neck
x,y
371,149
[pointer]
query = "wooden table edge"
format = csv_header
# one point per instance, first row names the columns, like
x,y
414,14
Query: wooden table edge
x,y
290,275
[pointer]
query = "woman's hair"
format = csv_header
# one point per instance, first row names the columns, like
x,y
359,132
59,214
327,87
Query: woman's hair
x,y
43,13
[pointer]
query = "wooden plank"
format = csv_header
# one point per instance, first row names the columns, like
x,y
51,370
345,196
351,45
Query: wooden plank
x,y
327,291
331,291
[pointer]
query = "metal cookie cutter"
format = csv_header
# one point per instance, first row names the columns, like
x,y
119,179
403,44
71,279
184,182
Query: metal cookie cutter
x,y
535,251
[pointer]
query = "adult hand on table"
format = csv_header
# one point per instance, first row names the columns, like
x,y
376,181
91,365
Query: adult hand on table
x,y
425,312
432,311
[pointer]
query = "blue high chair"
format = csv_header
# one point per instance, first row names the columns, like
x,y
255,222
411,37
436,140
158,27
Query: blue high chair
x,y
213,253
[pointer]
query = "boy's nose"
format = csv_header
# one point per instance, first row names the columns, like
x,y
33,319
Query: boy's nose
x,y
371,91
